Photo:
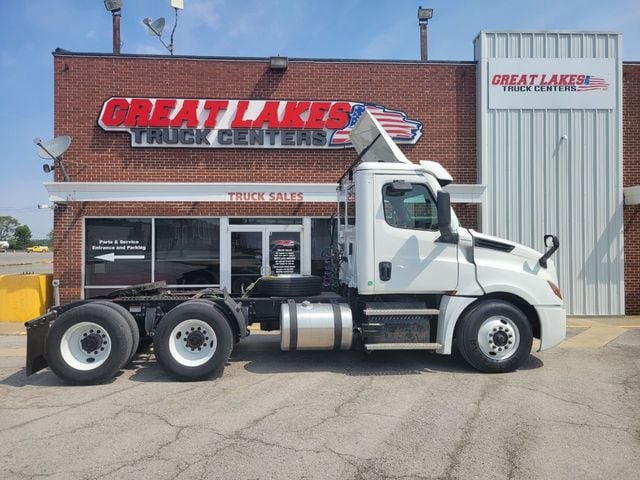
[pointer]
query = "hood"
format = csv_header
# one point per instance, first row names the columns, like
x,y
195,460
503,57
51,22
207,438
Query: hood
x,y
482,240
513,249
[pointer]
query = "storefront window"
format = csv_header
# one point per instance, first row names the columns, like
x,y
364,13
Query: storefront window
x,y
187,251
117,251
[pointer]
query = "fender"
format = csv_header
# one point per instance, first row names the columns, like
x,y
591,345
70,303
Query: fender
x,y
451,309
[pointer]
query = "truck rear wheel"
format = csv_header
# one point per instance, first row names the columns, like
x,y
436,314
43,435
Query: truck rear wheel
x,y
88,344
127,317
494,337
193,341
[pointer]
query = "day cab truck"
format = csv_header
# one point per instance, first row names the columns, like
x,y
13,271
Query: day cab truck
x,y
410,278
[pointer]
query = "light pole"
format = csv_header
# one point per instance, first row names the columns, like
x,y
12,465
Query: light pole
x,y
424,15
115,7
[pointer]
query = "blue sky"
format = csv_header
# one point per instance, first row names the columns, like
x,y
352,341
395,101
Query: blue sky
x,y
31,29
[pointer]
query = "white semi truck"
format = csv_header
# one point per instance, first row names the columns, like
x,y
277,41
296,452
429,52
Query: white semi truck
x,y
410,278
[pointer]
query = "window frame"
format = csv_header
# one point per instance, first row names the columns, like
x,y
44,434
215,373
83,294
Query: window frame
x,y
388,184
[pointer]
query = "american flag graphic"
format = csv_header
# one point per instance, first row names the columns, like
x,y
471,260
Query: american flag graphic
x,y
593,83
395,123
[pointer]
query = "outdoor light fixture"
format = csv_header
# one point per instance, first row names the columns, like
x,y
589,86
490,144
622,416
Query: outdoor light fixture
x,y
278,63
113,5
425,14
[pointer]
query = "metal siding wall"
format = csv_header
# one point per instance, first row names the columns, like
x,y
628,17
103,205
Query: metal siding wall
x,y
538,182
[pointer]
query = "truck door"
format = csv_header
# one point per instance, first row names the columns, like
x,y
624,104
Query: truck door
x,y
408,259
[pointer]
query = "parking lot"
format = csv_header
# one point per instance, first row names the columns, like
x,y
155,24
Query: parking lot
x,y
572,412
24,262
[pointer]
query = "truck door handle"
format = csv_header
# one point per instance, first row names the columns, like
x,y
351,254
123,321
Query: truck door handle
x,y
385,271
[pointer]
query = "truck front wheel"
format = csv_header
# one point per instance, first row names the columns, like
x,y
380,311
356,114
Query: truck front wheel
x,y
494,337
193,341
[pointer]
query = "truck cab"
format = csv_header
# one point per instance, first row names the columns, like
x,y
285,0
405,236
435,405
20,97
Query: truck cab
x,y
406,245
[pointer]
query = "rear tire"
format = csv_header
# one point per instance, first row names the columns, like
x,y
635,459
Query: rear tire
x,y
133,325
88,344
494,337
193,341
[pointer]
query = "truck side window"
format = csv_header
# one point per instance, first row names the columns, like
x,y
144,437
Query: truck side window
x,y
413,208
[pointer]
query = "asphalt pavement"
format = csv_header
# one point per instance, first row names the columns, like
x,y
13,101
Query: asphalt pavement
x,y
571,412
24,262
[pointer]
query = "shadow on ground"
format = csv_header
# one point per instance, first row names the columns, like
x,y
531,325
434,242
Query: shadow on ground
x,y
261,354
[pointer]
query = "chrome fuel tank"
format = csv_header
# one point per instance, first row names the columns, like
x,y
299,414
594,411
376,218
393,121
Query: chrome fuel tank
x,y
315,326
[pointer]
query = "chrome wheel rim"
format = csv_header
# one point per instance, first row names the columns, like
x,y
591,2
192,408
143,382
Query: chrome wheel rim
x,y
498,338
193,343
85,346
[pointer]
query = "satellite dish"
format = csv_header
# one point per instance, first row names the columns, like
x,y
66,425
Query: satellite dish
x,y
154,27
55,147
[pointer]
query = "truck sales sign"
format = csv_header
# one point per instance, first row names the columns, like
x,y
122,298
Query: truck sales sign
x,y
534,83
211,123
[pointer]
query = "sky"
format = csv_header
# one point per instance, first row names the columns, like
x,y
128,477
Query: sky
x,y
371,29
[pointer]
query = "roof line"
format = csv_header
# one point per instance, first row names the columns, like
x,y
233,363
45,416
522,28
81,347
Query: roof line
x,y
59,52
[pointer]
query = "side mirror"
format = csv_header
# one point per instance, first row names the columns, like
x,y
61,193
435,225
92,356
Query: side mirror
x,y
444,217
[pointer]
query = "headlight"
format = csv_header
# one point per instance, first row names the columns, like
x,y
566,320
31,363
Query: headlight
x,y
555,289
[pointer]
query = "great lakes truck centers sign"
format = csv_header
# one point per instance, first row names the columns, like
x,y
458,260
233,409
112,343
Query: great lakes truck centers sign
x,y
211,123
537,83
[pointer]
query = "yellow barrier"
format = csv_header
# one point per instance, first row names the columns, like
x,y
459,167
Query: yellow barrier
x,y
23,297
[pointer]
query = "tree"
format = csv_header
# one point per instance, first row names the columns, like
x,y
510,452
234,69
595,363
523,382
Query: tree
x,y
22,236
7,227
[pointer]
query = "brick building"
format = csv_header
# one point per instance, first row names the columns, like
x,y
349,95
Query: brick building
x,y
137,210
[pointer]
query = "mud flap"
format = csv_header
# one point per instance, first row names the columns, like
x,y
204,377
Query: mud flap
x,y
37,331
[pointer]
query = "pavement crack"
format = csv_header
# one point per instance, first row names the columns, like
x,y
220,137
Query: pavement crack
x,y
455,457
338,410
561,399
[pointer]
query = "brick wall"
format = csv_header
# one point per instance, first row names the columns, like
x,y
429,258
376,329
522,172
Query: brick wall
x,y
631,177
441,96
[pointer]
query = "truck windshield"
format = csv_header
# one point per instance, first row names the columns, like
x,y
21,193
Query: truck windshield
x,y
413,208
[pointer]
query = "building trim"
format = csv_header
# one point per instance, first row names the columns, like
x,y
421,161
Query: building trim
x,y
214,192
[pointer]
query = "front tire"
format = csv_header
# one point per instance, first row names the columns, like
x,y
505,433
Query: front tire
x,y
494,337
193,341
88,344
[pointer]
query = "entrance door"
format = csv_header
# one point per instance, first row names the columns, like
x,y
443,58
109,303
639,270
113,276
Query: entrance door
x,y
258,250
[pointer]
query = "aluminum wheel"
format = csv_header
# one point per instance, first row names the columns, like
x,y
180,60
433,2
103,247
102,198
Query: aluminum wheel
x,y
192,343
85,346
498,337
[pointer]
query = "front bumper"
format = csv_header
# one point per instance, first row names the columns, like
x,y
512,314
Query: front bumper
x,y
553,326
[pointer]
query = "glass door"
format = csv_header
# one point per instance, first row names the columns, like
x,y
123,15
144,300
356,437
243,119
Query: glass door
x,y
257,250
246,259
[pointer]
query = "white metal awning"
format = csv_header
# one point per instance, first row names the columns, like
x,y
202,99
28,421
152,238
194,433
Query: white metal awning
x,y
217,192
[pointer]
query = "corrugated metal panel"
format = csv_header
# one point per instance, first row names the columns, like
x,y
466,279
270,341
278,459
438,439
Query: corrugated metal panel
x,y
557,171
